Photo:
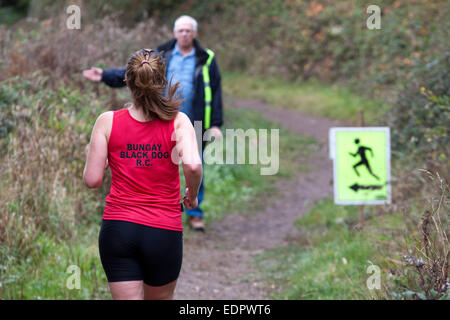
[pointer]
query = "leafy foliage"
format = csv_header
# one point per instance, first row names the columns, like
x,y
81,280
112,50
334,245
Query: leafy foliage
x,y
421,116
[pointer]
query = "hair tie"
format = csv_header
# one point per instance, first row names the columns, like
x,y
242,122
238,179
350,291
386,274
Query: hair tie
x,y
145,61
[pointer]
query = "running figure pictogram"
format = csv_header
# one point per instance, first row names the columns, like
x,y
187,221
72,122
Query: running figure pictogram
x,y
362,153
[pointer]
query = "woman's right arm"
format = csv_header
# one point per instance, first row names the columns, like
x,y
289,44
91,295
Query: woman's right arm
x,y
187,150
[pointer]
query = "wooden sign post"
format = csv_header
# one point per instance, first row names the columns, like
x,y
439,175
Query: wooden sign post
x,y
361,207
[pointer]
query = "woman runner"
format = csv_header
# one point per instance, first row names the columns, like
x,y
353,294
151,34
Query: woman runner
x,y
141,234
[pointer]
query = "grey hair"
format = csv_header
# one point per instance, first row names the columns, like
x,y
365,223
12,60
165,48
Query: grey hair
x,y
187,19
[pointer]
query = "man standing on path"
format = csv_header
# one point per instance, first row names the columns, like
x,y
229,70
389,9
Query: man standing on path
x,y
197,71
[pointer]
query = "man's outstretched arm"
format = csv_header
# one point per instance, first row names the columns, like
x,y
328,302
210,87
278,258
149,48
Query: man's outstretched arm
x,y
112,77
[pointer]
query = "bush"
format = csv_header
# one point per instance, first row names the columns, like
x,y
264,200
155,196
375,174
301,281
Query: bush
x,y
420,119
423,245
325,39
8,97
62,54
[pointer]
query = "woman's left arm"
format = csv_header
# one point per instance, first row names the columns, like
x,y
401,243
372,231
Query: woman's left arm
x,y
97,156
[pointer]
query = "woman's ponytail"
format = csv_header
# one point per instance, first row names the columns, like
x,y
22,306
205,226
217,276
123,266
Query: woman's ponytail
x,y
146,78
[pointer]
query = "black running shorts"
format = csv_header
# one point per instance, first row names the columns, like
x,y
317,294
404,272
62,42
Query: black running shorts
x,y
131,251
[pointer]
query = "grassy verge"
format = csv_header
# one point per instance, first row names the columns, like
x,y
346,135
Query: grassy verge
x,y
311,97
333,259
46,273
329,261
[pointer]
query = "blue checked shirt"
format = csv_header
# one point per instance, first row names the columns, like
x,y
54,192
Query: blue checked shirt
x,y
182,69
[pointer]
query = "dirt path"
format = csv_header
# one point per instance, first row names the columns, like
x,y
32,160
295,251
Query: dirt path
x,y
218,264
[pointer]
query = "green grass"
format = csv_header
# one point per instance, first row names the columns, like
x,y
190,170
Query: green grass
x,y
329,260
310,97
44,273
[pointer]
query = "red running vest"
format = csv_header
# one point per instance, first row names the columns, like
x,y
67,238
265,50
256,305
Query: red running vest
x,y
145,183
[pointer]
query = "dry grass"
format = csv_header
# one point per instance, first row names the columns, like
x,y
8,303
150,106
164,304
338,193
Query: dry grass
x,y
62,54
422,241
41,188
433,264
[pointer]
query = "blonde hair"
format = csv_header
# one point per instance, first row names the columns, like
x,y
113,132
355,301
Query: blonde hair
x,y
146,79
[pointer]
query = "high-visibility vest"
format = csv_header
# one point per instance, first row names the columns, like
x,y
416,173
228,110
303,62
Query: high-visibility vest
x,y
208,92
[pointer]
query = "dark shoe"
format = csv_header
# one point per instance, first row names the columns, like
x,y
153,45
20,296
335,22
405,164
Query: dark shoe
x,y
196,223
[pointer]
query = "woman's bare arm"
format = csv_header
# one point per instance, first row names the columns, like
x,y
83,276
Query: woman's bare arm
x,y
97,157
187,150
